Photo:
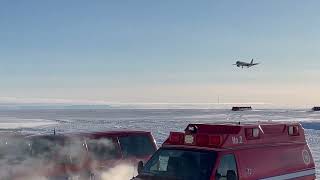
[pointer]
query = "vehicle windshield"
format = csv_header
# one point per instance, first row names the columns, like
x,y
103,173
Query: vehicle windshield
x,y
136,146
181,164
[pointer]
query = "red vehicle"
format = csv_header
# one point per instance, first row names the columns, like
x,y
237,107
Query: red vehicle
x,y
108,149
53,157
265,151
83,155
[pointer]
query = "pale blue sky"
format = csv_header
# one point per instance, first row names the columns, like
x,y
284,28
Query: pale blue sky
x,y
160,51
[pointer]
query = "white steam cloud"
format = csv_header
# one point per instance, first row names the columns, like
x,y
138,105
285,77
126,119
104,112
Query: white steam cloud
x,y
120,172
32,159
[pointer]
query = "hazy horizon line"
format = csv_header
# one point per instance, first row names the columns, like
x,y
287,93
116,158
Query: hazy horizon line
x,y
14,101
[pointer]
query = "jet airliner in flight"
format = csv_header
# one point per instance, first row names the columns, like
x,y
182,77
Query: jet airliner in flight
x,y
241,64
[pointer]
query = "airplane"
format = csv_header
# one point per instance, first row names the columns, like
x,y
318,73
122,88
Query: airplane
x,y
240,63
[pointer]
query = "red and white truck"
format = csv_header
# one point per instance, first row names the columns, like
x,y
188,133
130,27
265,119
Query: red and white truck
x,y
265,151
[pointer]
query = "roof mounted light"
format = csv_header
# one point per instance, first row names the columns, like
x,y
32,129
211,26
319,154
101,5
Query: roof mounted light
x,y
253,133
256,132
191,129
176,138
206,140
202,140
212,129
293,130
215,140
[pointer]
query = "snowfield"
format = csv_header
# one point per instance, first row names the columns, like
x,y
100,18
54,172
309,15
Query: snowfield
x,y
159,121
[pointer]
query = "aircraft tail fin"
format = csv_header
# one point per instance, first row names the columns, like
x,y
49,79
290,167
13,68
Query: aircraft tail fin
x,y
251,61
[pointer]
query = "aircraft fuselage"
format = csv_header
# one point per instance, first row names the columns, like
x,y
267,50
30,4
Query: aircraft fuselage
x,y
245,64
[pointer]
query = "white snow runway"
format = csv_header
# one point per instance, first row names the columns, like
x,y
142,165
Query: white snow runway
x,y
159,121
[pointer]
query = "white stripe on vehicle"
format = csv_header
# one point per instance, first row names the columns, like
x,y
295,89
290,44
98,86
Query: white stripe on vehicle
x,y
292,175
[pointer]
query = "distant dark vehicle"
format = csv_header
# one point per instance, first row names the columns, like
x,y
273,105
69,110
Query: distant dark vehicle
x,y
316,108
240,108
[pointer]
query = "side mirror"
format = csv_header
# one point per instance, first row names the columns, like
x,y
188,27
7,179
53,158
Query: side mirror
x,y
140,167
231,175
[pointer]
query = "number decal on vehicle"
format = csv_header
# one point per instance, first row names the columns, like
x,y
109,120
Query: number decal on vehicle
x,y
237,140
249,171
306,157
240,140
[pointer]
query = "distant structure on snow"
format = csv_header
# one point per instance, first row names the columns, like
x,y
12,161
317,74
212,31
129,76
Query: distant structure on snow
x,y
241,108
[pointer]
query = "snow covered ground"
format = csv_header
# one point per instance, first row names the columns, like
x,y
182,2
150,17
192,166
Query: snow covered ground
x,y
159,121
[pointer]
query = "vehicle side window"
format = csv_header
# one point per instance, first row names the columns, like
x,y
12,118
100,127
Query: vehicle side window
x,y
103,148
161,164
227,169
136,145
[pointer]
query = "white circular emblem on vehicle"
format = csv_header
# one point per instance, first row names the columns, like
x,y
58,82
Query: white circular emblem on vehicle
x,y
188,139
306,157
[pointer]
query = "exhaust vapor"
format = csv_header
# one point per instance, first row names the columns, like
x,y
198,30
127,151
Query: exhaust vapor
x,y
38,158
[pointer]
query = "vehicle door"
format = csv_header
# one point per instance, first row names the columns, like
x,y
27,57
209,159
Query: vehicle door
x,y
104,151
226,168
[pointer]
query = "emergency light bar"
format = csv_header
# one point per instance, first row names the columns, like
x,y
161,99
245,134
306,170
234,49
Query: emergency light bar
x,y
234,136
203,140
192,129
212,129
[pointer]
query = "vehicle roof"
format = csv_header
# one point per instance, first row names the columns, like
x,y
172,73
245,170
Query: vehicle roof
x,y
113,133
239,135
91,134
168,146
250,123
